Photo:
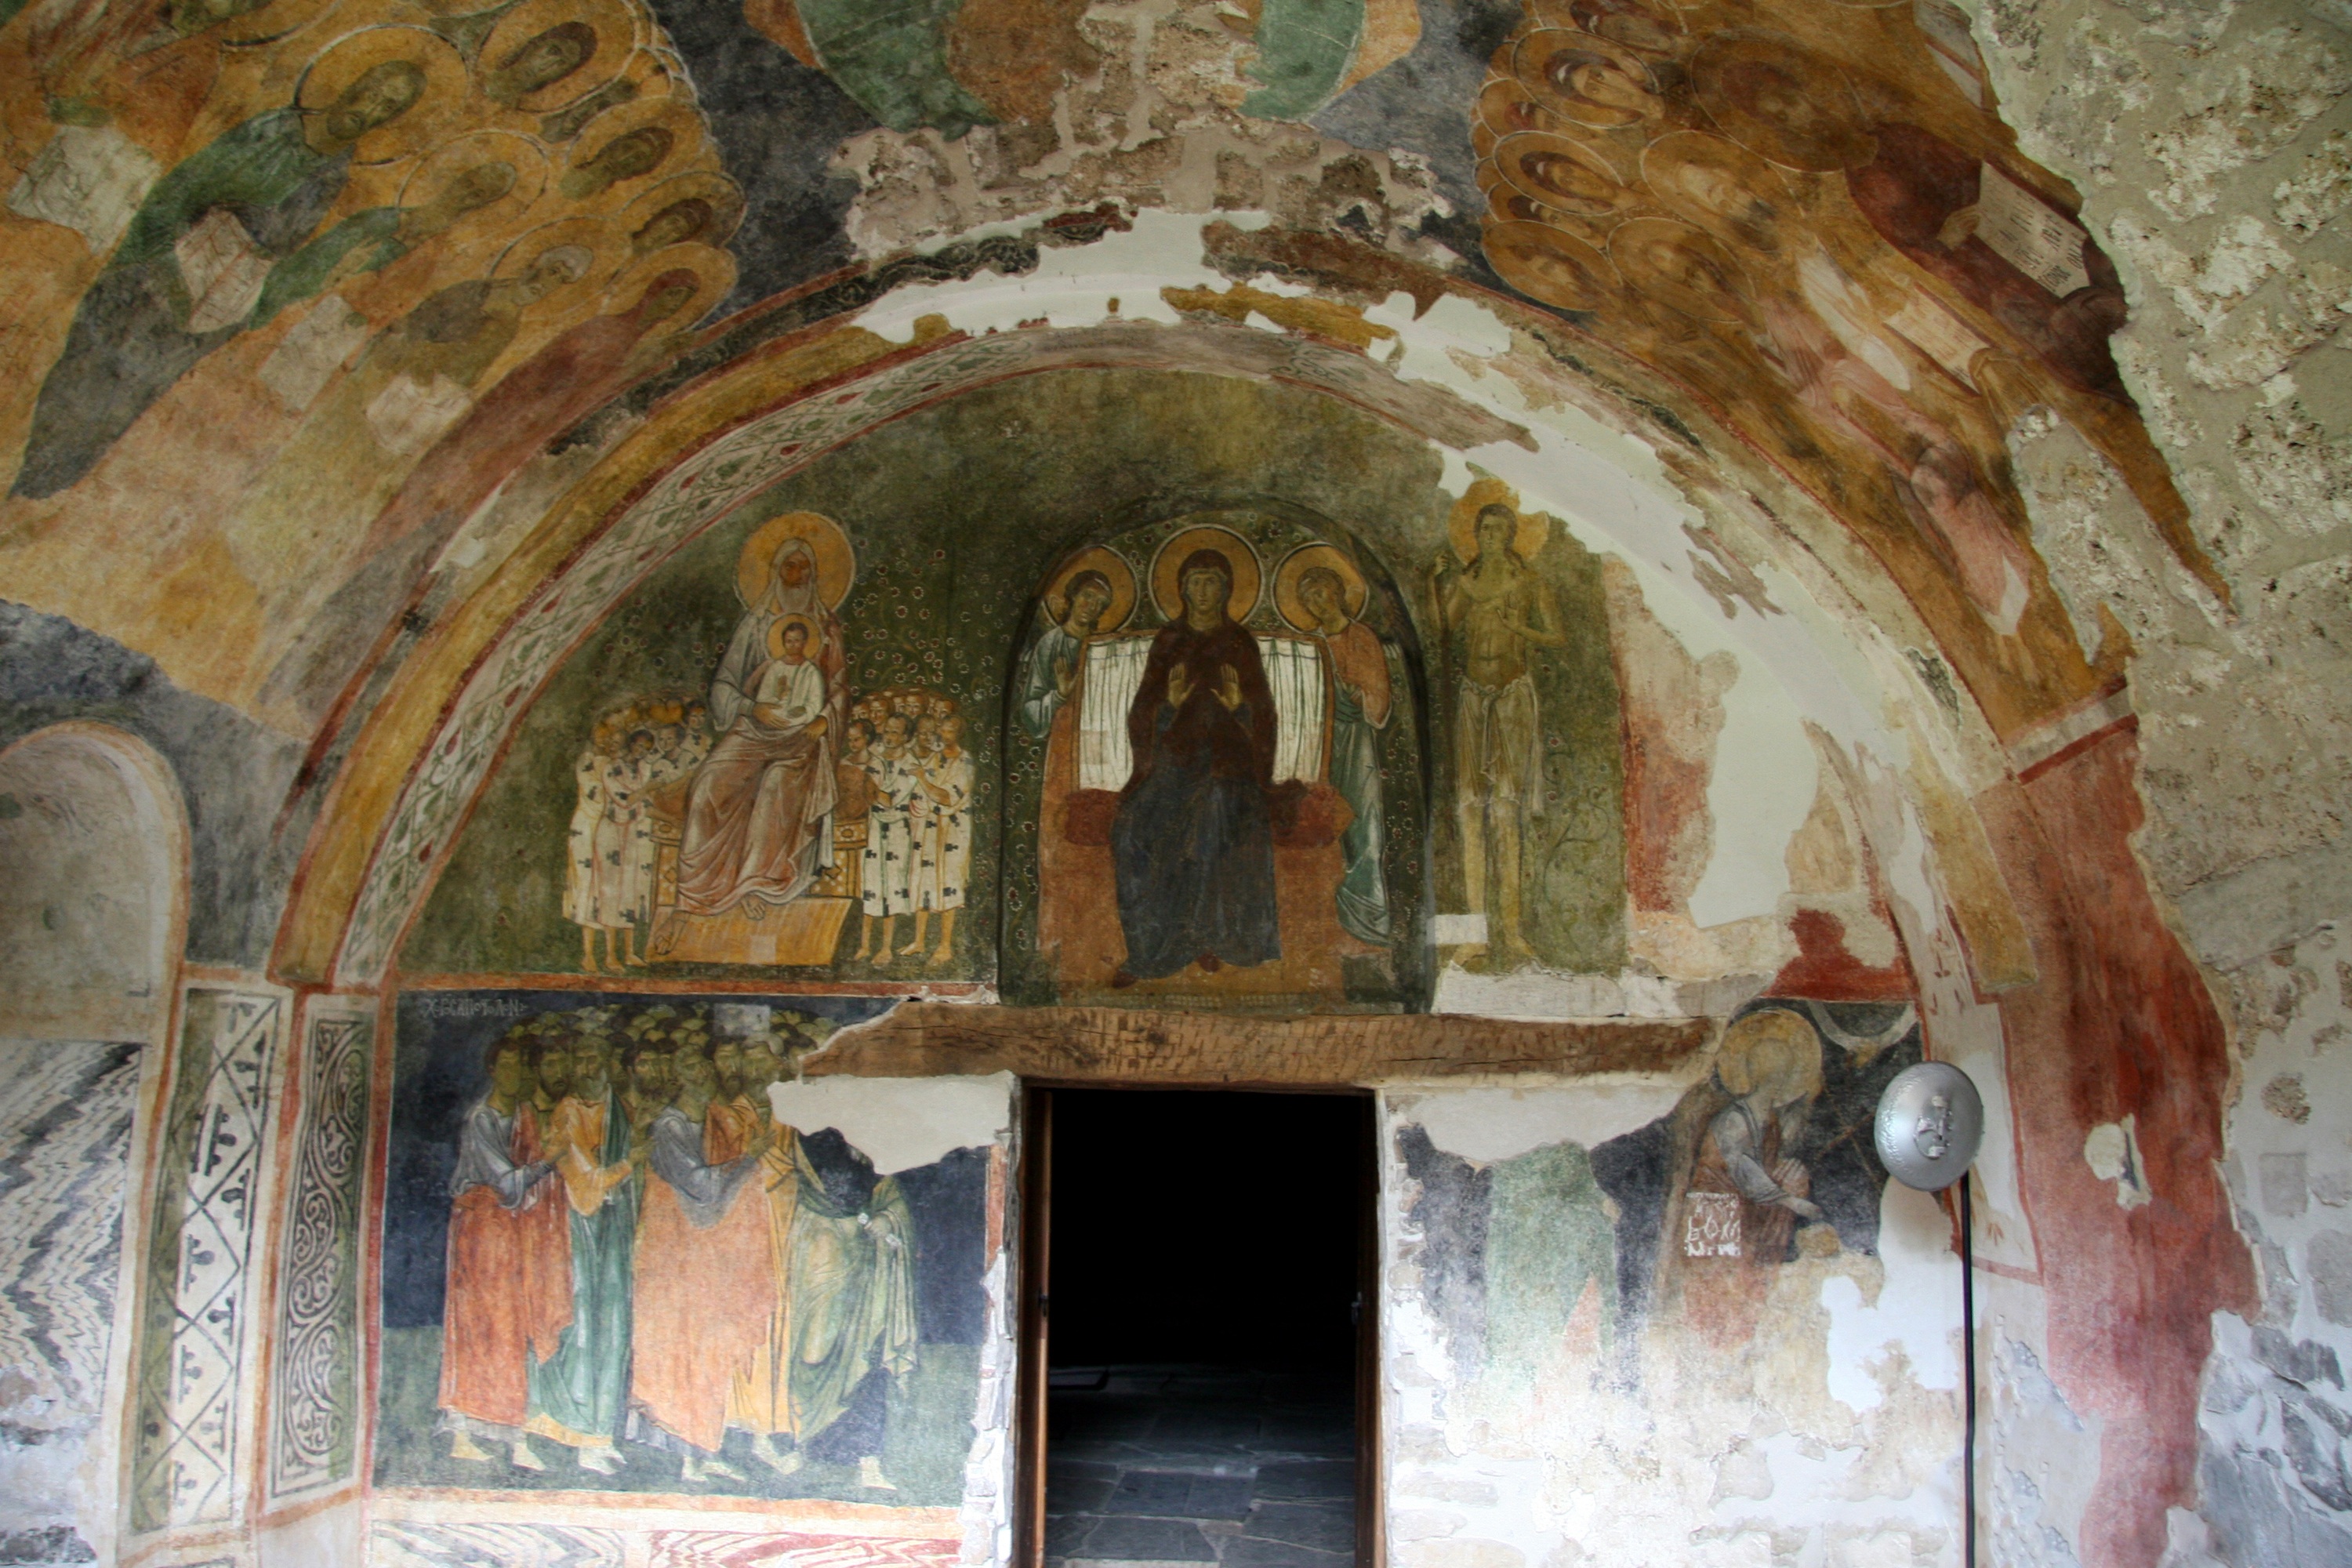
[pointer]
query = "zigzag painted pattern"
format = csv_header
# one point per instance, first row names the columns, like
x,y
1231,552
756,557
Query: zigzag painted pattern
x,y
65,1136
406,1545
729,1549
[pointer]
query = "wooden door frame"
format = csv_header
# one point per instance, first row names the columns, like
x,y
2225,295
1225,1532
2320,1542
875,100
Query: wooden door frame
x,y
1035,1273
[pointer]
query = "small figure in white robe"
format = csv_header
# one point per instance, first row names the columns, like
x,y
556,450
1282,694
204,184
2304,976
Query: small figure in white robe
x,y
582,905
946,857
890,861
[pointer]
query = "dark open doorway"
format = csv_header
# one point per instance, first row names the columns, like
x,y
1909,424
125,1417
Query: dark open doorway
x,y
1201,1286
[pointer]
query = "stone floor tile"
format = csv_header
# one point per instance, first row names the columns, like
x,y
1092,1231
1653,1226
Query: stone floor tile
x,y
1175,1494
1080,1494
1247,1552
1326,1527
1296,1479
1149,1540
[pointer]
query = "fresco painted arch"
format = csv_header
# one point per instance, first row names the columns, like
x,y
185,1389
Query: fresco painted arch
x,y
792,745
685,482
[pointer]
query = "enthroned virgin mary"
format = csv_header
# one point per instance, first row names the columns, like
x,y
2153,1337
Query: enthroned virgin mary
x,y
759,815
1193,839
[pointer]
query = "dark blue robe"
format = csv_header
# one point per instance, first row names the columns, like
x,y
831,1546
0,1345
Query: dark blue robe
x,y
1193,839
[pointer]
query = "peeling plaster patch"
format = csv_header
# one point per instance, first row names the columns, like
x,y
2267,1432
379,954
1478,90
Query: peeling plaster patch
x,y
2112,1151
1069,285
1916,1312
900,1123
1760,793
2038,1489
1490,1124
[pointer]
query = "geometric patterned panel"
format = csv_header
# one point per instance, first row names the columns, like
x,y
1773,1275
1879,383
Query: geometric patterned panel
x,y
736,1549
195,1339
315,1391
416,1544
65,1138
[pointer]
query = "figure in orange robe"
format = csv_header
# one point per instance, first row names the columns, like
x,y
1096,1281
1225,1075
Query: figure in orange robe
x,y
502,1309
705,1287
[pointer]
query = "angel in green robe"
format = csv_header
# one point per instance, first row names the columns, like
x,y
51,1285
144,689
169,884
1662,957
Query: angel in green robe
x,y
193,264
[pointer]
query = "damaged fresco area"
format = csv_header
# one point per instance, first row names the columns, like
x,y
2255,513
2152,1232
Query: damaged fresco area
x,y
1691,1321
2274,1488
626,1250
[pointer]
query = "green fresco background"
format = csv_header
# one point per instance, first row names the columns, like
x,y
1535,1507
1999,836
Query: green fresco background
x,y
957,512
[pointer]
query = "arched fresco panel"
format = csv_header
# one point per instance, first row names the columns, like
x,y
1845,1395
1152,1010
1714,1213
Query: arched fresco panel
x,y
1216,790
631,825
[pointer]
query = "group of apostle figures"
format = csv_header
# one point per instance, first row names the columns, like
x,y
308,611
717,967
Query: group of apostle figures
x,y
639,1251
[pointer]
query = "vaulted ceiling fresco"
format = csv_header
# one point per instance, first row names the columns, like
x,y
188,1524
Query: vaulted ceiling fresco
x,y
326,274
1272,541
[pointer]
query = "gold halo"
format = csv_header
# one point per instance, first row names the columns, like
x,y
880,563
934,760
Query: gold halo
x,y
1506,109
714,279
1635,248
1462,522
670,113
437,168
1519,159
649,79
436,111
726,199
1536,54
1294,565
1546,265
1773,1050
1720,65
616,40
1114,568
597,236
1167,591
776,634
1596,17
274,20
837,562
1664,161
1506,206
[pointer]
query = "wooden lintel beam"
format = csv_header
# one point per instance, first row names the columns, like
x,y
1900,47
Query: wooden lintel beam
x,y
1117,1044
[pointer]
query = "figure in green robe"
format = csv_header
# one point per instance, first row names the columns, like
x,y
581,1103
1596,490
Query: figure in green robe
x,y
850,1280
192,264
372,240
578,1394
1359,710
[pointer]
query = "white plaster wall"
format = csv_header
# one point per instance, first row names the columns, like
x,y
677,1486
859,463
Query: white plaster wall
x,y
1833,1439
2275,1483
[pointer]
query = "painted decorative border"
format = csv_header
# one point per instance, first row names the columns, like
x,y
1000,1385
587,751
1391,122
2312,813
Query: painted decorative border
x,y
194,1339
314,1392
